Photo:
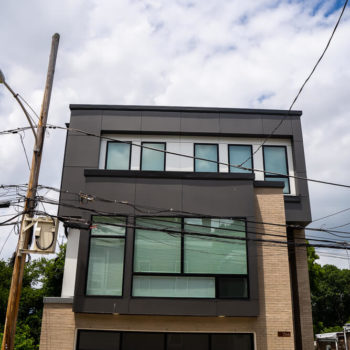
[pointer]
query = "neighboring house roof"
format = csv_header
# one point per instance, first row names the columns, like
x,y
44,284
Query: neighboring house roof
x,y
327,336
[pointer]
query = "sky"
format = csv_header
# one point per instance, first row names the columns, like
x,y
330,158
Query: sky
x,y
214,53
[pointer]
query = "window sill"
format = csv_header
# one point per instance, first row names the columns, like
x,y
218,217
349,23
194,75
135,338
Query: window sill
x,y
166,174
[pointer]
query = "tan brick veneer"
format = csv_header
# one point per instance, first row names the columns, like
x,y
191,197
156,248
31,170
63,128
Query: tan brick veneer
x,y
60,323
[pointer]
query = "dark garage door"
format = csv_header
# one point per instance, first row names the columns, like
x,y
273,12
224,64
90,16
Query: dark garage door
x,y
110,340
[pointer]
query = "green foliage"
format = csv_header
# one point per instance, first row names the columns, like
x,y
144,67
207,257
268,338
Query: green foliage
x,y
23,338
330,295
42,277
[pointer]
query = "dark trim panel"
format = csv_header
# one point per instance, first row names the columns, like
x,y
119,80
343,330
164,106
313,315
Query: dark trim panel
x,y
264,183
171,175
185,109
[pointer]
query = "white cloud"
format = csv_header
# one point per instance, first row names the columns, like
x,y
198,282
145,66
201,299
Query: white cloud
x,y
201,53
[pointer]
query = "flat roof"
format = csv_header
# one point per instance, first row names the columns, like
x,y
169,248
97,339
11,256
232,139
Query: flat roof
x,y
185,109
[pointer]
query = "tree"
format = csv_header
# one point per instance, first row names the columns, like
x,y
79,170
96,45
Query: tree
x,y
42,277
330,295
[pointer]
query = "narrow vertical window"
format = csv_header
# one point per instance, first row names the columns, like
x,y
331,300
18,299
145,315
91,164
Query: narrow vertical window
x,y
240,154
209,152
275,161
152,159
118,155
106,258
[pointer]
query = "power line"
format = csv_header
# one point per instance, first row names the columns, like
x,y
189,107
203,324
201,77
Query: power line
x,y
199,158
333,214
225,238
29,106
8,236
164,229
24,149
157,210
14,131
303,85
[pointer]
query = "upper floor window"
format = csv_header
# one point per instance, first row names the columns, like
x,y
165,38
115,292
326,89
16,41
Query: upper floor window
x,y
275,160
206,151
118,155
190,258
151,159
240,154
106,257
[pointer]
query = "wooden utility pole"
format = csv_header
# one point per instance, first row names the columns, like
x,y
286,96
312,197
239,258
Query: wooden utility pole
x,y
25,235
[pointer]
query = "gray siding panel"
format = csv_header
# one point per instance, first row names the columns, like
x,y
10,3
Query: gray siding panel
x,y
200,122
83,151
241,124
160,121
121,121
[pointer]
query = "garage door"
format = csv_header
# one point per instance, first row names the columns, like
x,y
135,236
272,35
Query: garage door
x,y
110,340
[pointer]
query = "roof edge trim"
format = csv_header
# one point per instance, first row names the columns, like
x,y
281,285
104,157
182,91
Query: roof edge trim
x,y
185,109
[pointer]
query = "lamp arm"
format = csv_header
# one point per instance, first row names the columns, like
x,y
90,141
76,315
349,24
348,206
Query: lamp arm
x,y
21,104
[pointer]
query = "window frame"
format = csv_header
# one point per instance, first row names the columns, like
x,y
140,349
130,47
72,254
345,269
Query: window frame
x,y
182,273
229,158
120,142
217,157
124,257
164,154
277,176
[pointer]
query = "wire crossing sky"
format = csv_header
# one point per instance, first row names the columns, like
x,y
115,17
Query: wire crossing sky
x,y
251,54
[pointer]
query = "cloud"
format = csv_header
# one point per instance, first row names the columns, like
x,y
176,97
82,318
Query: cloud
x,y
252,54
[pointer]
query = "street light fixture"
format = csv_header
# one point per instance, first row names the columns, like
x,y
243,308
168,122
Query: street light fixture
x,y
3,81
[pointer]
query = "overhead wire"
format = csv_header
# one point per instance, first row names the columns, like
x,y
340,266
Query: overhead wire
x,y
102,213
198,158
303,85
156,210
7,238
24,149
29,106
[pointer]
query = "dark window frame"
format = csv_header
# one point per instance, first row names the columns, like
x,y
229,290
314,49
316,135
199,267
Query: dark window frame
x,y
277,176
120,142
163,152
124,257
217,155
229,158
164,333
184,274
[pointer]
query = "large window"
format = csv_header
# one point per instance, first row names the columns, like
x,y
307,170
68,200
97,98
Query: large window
x,y
190,258
209,152
106,258
151,159
112,340
118,156
275,161
240,155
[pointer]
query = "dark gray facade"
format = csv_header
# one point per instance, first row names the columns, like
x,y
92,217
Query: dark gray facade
x,y
229,195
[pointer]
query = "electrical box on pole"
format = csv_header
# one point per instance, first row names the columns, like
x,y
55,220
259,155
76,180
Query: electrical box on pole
x,y
45,234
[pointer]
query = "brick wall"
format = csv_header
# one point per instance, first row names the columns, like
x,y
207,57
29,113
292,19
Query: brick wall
x,y
274,279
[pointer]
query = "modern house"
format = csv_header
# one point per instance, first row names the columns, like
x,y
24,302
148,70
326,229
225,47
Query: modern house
x,y
192,232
